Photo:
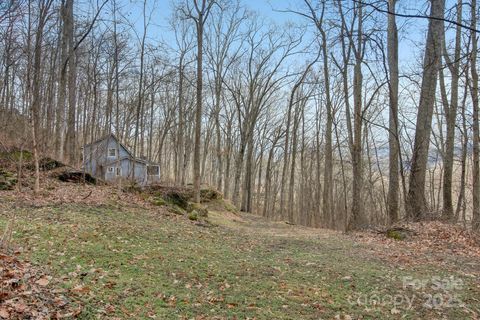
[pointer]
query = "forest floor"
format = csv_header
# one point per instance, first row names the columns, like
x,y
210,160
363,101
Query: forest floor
x,y
112,256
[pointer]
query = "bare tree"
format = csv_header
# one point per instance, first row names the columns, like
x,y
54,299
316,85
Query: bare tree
x,y
476,126
415,202
199,13
70,138
451,115
43,16
222,34
393,140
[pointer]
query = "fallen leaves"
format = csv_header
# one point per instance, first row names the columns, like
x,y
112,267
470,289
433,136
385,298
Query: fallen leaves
x,y
43,281
432,242
26,294
55,192
4,313
81,289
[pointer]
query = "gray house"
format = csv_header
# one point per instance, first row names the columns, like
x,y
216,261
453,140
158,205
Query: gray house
x,y
110,160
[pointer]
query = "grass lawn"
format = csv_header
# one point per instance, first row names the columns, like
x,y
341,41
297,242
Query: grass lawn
x,y
130,262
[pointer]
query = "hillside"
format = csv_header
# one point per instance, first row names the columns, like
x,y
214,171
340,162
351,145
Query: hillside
x,y
118,256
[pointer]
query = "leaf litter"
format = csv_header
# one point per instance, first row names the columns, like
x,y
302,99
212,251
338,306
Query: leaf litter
x,y
26,292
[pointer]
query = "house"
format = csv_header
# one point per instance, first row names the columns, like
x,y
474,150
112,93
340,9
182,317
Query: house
x,y
110,160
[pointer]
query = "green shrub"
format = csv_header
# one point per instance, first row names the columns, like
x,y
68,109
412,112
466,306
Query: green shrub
x,y
209,194
396,235
176,210
7,180
158,201
193,215
15,155
201,210
230,207
178,199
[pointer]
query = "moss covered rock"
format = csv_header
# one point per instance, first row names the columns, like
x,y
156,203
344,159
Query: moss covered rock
x,y
396,234
47,164
193,215
158,201
201,210
176,199
230,207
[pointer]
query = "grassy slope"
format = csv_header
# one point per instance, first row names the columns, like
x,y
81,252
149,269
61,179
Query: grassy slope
x,y
131,262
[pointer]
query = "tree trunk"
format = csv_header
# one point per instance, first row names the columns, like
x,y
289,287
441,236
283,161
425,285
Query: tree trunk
x,y
198,112
62,86
36,85
180,176
476,129
416,203
238,171
291,186
358,219
461,205
451,115
70,139
328,212
393,141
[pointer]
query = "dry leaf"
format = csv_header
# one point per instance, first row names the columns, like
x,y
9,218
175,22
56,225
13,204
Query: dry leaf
x,y
81,289
4,313
42,282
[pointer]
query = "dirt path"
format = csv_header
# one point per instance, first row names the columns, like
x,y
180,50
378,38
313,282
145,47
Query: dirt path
x,y
426,258
439,252
255,224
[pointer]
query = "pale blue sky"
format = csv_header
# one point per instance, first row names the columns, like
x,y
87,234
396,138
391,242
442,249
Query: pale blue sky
x,y
412,33
414,29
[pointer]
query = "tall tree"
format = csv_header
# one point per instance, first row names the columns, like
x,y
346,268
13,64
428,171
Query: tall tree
x,y
184,44
43,16
199,13
70,138
140,94
393,139
415,201
451,115
224,31
476,126
62,85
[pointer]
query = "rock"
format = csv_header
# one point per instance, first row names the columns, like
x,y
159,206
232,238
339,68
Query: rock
x,y
201,210
76,176
396,235
158,201
177,198
47,164
193,215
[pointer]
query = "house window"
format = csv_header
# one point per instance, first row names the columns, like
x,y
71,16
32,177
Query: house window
x,y
110,169
118,171
153,170
112,152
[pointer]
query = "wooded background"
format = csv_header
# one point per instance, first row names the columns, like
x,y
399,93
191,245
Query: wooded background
x,y
313,121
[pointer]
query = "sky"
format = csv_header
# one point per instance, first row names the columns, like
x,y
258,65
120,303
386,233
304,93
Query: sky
x,y
412,30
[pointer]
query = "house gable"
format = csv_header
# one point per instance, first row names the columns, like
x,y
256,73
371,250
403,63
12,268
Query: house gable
x,y
98,153
109,159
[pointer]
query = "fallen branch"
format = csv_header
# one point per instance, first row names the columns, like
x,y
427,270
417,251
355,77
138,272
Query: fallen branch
x,y
88,195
